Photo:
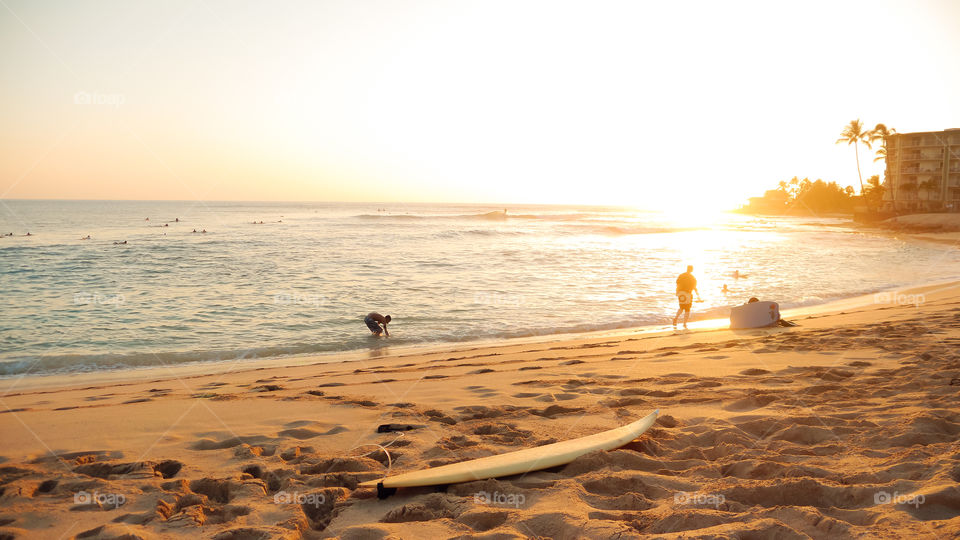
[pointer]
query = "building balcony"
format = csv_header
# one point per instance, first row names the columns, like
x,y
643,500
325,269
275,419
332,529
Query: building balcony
x,y
928,143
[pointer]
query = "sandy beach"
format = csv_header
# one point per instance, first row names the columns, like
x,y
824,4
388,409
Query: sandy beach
x,y
845,426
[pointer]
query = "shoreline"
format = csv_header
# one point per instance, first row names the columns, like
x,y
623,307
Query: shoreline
x,y
26,382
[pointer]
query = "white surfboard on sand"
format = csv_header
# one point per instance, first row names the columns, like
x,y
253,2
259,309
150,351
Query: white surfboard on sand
x,y
521,461
754,315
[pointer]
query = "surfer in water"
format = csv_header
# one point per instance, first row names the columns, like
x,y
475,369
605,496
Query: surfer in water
x,y
373,320
686,286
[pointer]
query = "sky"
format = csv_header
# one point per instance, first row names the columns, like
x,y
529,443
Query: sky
x,y
681,105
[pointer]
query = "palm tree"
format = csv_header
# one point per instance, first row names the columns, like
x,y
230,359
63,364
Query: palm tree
x,y
854,134
927,186
909,187
880,133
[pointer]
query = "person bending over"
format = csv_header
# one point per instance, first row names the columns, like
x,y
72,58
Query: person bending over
x,y
374,320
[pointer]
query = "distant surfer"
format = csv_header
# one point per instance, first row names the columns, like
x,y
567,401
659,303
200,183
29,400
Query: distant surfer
x,y
686,286
373,320
725,290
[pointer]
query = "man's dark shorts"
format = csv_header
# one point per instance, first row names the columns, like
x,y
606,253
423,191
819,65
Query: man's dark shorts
x,y
373,325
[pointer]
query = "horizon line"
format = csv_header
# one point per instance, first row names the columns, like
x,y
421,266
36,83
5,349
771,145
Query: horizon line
x,y
279,201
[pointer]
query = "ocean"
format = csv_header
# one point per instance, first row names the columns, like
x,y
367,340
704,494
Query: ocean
x,y
278,279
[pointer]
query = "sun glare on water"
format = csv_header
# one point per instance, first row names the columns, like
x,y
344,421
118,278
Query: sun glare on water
x,y
694,214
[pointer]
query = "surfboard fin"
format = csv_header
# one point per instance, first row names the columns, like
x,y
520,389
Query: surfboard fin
x,y
384,492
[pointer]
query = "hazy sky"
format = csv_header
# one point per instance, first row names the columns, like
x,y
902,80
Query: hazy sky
x,y
634,103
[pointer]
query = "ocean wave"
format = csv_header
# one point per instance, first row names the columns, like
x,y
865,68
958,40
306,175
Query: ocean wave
x,y
624,230
391,216
451,234
495,215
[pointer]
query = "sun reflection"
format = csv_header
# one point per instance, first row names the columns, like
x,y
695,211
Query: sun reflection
x,y
696,214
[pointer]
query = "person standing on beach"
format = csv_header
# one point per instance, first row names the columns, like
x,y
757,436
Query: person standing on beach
x,y
373,320
686,286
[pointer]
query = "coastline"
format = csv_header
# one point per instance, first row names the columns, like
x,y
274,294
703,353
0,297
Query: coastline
x,y
384,350
757,417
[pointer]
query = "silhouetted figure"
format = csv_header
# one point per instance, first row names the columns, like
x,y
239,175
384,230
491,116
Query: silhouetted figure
x,y
686,286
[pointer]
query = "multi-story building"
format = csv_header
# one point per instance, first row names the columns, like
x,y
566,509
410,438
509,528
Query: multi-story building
x,y
923,171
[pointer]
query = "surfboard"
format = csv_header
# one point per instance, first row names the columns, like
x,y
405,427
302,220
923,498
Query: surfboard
x,y
520,461
754,315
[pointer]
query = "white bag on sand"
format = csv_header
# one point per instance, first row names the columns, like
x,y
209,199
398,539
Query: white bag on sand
x,y
755,315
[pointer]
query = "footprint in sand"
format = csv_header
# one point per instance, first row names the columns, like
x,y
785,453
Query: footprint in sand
x,y
750,403
308,429
556,410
